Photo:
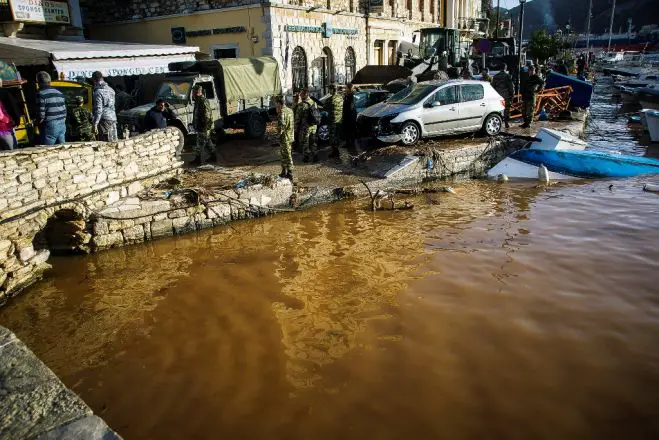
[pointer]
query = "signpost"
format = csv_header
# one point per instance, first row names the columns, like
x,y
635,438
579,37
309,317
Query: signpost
x,y
40,11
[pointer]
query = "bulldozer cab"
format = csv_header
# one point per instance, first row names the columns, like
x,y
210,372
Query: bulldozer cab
x,y
433,41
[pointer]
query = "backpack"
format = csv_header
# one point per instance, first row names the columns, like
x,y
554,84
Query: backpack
x,y
313,116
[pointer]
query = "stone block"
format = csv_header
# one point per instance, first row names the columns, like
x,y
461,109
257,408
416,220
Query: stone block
x,y
39,183
3,203
79,178
55,166
161,216
25,253
162,228
41,257
108,240
177,213
34,400
25,178
5,247
113,196
134,233
134,188
101,227
183,225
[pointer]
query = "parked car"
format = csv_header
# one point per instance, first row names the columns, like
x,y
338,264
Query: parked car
x,y
364,98
433,109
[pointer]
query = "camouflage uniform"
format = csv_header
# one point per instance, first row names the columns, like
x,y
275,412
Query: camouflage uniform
x,y
80,125
296,123
503,84
285,126
335,116
532,86
306,134
202,121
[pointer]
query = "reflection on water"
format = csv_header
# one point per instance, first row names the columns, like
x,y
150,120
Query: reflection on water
x,y
503,311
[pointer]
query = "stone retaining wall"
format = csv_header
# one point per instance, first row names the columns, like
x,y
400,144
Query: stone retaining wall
x,y
133,220
73,180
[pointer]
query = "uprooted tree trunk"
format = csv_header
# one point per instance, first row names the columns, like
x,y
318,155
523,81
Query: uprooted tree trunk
x,y
379,197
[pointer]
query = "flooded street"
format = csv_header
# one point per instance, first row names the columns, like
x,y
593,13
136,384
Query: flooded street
x,y
510,311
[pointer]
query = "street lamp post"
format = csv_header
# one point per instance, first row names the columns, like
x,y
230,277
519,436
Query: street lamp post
x,y
519,51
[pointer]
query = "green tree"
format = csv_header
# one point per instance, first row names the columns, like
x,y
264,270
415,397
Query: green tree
x,y
543,46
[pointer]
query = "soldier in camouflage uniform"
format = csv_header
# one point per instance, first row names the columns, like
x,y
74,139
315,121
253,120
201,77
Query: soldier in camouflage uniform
x,y
503,84
531,88
80,122
285,127
335,116
202,122
305,130
296,111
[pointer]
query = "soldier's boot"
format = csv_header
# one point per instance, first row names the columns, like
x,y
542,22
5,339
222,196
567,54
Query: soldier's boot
x,y
315,158
284,172
289,176
335,152
196,161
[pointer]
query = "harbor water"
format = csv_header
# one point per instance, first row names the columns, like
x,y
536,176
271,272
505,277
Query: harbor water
x,y
503,311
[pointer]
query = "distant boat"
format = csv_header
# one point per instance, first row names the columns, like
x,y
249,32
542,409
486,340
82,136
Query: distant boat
x,y
648,97
563,157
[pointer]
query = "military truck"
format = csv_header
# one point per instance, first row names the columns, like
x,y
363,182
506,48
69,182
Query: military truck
x,y
241,92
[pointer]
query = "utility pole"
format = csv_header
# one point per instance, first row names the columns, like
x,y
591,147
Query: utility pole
x,y
590,12
613,11
496,29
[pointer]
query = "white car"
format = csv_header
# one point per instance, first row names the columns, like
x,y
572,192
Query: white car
x,y
434,109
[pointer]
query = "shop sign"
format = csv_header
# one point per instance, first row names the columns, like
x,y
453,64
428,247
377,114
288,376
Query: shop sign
x,y
179,34
119,71
326,29
40,11
376,6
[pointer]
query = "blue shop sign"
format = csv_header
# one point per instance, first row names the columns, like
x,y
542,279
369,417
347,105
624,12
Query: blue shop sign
x,y
326,29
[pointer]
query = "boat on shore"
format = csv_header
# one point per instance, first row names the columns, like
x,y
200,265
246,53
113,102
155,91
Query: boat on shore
x,y
558,156
648,97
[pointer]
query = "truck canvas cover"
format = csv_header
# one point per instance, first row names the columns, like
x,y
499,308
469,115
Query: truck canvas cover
x,y
250,78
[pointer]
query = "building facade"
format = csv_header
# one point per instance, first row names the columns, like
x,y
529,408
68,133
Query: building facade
x,y
316,42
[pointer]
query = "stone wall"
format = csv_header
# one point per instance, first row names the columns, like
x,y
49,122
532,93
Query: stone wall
x,y
47,189
134,220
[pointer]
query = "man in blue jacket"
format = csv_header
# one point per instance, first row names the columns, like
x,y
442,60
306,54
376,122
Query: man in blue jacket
x,y
51,112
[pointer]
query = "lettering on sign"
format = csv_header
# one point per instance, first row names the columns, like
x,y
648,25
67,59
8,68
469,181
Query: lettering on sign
x,y
179,34
326,29
119,71
40,11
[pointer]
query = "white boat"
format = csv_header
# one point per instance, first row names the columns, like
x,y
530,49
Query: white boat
x,y
644,120
652,120
549,140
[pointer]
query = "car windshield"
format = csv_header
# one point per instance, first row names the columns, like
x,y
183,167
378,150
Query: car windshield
x,y
412,95
361,99
174,91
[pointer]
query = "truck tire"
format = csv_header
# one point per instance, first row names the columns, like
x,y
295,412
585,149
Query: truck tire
x,y
255,126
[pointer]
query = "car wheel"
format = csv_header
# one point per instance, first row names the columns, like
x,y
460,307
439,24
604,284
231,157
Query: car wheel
x,y
323,133
492,125
410,133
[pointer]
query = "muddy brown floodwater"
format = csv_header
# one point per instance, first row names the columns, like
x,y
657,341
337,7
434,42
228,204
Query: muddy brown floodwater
x,y
500,312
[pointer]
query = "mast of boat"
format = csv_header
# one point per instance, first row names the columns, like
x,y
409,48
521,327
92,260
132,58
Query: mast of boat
x,y
613,11
590,12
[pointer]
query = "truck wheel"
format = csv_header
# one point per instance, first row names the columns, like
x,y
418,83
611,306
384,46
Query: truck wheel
x,y
255,126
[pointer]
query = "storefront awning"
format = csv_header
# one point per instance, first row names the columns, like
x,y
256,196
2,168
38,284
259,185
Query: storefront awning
x,y
81,58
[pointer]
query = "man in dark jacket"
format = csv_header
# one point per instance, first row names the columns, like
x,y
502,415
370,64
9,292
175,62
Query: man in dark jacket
x,y
350,118
157,117
503,84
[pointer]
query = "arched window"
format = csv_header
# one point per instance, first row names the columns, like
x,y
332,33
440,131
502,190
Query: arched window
x,y
299,66
351,64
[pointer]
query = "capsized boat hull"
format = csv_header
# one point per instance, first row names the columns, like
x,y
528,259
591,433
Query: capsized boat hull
x,y
515,169
587,164
652,121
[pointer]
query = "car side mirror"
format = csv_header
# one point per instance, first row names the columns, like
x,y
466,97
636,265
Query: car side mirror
x,y
437,104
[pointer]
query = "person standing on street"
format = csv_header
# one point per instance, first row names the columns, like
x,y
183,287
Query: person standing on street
x,y
531,88
307,127
80,122
349,119
9,119
296,110
202,122
285,127
105,117
503,84
335,116
486,75
156,118
51,112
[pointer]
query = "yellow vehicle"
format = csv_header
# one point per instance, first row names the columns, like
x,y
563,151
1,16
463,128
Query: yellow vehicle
x,y
13,83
